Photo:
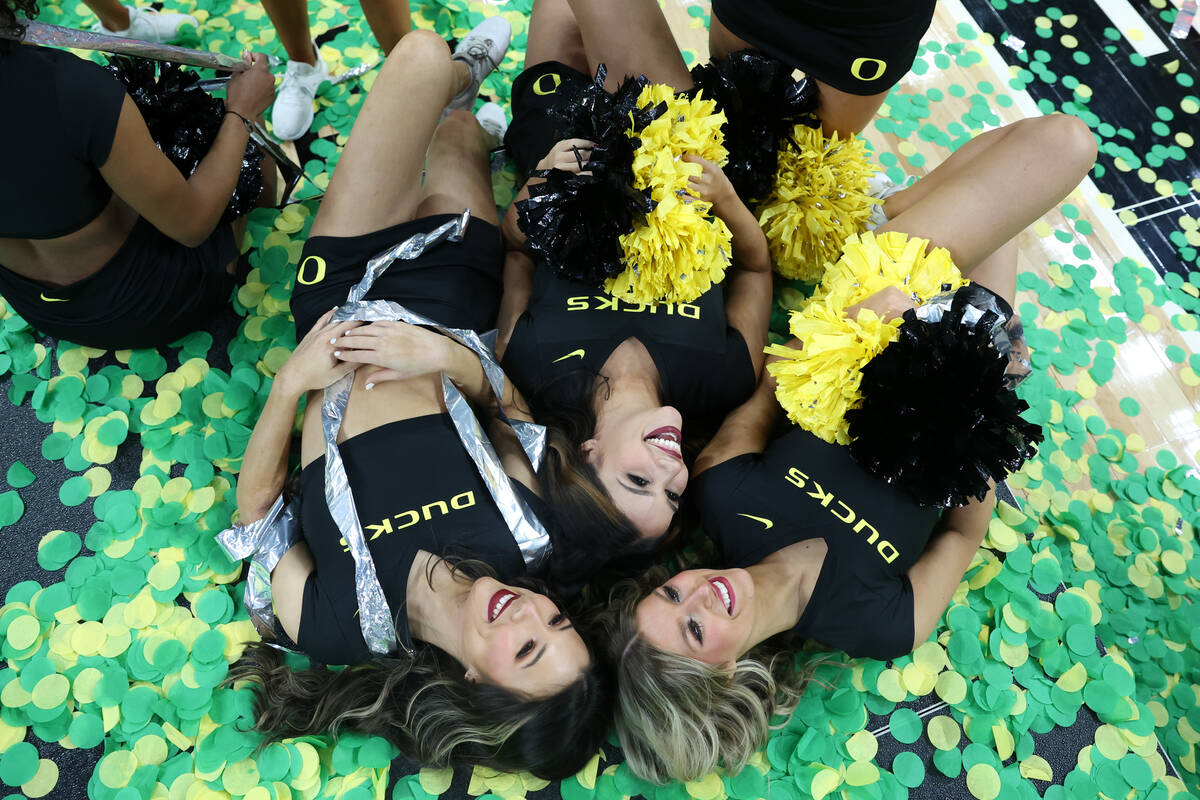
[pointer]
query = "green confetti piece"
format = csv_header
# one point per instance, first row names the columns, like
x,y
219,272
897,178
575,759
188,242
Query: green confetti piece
x,y
18,764
948,762
12,508
74,491
87,730
905,725
57,548
19,476
909,769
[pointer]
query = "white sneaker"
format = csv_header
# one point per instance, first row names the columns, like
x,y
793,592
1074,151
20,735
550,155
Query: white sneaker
x,y
881,187
494,123
150,25
481,50
292,113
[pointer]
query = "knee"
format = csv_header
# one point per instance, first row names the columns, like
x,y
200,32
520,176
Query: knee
x,y
420,47
1071,138
462,129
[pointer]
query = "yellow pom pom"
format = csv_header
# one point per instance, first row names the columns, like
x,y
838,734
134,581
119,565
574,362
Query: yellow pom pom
x,y
819,199
819,383
681,250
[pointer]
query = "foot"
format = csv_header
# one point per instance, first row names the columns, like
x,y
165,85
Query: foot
x,y
494,123
881,187
481,50
292,113
150,25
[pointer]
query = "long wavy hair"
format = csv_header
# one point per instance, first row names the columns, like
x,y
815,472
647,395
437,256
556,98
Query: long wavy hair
x,y
678,717
595,542
427,708
10,23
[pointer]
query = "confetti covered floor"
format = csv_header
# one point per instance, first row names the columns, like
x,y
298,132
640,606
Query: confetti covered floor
x,y
1071,650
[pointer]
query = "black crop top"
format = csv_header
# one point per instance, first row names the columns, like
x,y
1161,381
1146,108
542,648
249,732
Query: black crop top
x,y
415,488
803,488
68,110
703,363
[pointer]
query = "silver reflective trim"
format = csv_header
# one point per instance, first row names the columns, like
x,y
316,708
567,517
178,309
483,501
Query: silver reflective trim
x,y
524,525
1007,333
264,541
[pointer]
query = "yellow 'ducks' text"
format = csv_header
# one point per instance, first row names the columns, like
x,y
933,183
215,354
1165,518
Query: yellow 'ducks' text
x,y
887,551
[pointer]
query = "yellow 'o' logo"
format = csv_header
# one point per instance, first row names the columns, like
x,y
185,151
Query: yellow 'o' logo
x,y
318,273
857,67
554,79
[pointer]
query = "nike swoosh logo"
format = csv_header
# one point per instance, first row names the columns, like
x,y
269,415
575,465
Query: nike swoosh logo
x,y
55,299
571,354
767,524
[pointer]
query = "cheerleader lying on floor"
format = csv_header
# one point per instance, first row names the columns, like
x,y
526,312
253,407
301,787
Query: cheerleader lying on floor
x,y
828,536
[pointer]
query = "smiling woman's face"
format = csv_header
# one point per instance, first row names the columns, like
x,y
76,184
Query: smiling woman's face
x,y
639,460
518,639
702,613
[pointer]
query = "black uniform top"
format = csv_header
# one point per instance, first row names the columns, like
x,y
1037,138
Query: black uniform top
x,y
67,110
703,363
804,488
415,488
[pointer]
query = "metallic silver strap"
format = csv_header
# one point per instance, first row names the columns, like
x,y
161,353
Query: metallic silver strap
x,y
264,542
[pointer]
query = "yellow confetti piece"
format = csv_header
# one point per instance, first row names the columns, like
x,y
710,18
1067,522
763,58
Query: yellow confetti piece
x,y
1073,679
1110,743
709,787
918,680
1037,768
983,782
824,782
1001,537
43,781
951,687
889,686
944,733
1004,741
931,656
862,746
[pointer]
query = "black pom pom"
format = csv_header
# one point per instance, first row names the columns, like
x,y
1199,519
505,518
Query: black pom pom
x,y
762,103
573,221
184,120
936,419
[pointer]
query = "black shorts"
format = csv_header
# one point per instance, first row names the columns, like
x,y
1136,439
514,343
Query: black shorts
x,y
861,47
534,130
152,291
455,283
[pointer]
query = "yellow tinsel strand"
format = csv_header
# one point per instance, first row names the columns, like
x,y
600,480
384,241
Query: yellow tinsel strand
x,y
681,250
819,199
819,383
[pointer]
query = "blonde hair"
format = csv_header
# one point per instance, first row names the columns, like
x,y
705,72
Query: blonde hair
x,y
678,717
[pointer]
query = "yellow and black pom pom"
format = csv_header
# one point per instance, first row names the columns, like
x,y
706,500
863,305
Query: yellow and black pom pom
x,y
819,383
681,249
819,200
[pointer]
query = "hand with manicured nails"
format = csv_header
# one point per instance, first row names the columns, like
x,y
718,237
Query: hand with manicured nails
x,y
569,155
313,364
398,350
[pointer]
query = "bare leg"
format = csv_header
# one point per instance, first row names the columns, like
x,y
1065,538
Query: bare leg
x,y
998,271
554,35
290,18
377,182
845,113
973,212
389,20
456,170
641,43
110,12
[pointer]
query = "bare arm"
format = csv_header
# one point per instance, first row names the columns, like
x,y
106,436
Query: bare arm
x,y
264,467
747,429
287,587
518,286
940,568
568,155
185,209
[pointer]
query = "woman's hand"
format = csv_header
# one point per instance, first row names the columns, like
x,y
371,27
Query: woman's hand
x,y
888,304
313,365
711,185
251,92
569,155
397,349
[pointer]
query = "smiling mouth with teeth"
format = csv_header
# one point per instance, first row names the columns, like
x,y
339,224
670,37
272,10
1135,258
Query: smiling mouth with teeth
x,y
724,592
499,602
668,439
